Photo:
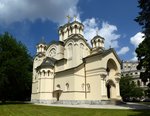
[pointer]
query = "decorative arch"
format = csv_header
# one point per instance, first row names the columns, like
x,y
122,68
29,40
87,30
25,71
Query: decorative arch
x,y
48,72
112,86
83,86
44,72
109,86
111,68
88,87
52,51
67,86
58,87
70,50
110,82
81,50
138,83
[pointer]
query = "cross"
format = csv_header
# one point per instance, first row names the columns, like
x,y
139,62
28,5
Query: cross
x,y
75,17
97,32
110,43
42,39
68,17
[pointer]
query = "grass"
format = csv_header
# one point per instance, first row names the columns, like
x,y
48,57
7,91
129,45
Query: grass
x,y
37,110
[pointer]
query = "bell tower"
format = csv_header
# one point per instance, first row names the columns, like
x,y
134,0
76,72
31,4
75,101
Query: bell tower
x,y
97,44
41,46
70,28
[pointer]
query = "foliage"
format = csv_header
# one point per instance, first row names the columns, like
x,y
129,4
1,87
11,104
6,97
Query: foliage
x,y
128,89
15,69
143,50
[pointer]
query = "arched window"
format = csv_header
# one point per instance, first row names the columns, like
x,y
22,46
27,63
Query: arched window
x,y
67,87
83,87
88,87
138,83
44,72
58,87
71,29
70,50
107,70
81,50
48,72
75,28
52,52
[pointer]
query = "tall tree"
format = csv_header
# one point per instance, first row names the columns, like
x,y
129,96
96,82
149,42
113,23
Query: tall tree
x,y
143,50
128,88
15,69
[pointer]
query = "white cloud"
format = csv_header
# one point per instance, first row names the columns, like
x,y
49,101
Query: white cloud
x,y
19,10
137,39
123,50
107,31
134,58
90,28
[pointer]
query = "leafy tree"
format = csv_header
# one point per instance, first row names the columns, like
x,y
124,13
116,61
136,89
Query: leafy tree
x,y
143,50
15,69
128,89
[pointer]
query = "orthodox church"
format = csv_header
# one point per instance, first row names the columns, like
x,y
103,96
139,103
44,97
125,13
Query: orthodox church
x,y
70,71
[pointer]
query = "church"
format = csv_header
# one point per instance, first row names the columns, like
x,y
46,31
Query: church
x,y
70,71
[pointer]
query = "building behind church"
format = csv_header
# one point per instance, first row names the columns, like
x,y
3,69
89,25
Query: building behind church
x,y
129,68
72,72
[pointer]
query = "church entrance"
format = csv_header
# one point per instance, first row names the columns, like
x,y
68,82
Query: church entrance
x,y
57,96
110,86
108,90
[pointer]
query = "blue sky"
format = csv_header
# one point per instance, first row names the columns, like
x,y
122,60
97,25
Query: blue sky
x,y
29,20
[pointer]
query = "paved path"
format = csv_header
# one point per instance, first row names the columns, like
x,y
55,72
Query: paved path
x,y
123,106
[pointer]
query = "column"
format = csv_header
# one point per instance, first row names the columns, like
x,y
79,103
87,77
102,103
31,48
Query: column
x,y
117,87
103,86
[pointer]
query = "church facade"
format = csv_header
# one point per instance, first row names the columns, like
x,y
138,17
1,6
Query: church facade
x,y
72,72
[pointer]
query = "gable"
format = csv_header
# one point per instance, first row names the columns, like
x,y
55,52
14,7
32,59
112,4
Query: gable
x,y
76,38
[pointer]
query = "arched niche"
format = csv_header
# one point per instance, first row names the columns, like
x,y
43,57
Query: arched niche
x,y
110,87
52,51
111,68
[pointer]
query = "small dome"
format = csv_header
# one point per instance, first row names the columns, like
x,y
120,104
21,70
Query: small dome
x,y
97,42
97,37
41,46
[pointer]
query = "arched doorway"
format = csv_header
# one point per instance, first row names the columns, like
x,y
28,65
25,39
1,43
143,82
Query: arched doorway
x,y
57,96
108,90
109,86
111,70
58,92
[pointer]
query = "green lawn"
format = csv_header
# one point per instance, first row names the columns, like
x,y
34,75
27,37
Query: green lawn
x,y
36,110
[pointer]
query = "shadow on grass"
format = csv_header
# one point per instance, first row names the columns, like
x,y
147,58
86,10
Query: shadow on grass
x,y
142,112
139,109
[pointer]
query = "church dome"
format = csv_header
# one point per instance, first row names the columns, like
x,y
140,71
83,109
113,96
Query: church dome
x,y
97,42
70,29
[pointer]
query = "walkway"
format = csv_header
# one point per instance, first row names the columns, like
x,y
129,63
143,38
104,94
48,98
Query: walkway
x,y
123,106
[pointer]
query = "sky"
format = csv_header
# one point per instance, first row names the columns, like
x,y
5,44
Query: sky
x,y
30,20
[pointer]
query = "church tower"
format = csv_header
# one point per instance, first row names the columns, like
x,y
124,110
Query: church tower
x,y
69,29
97,44
41,47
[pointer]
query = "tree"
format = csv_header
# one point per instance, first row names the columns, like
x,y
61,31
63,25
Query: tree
x,y
143,50
128,89
15,69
